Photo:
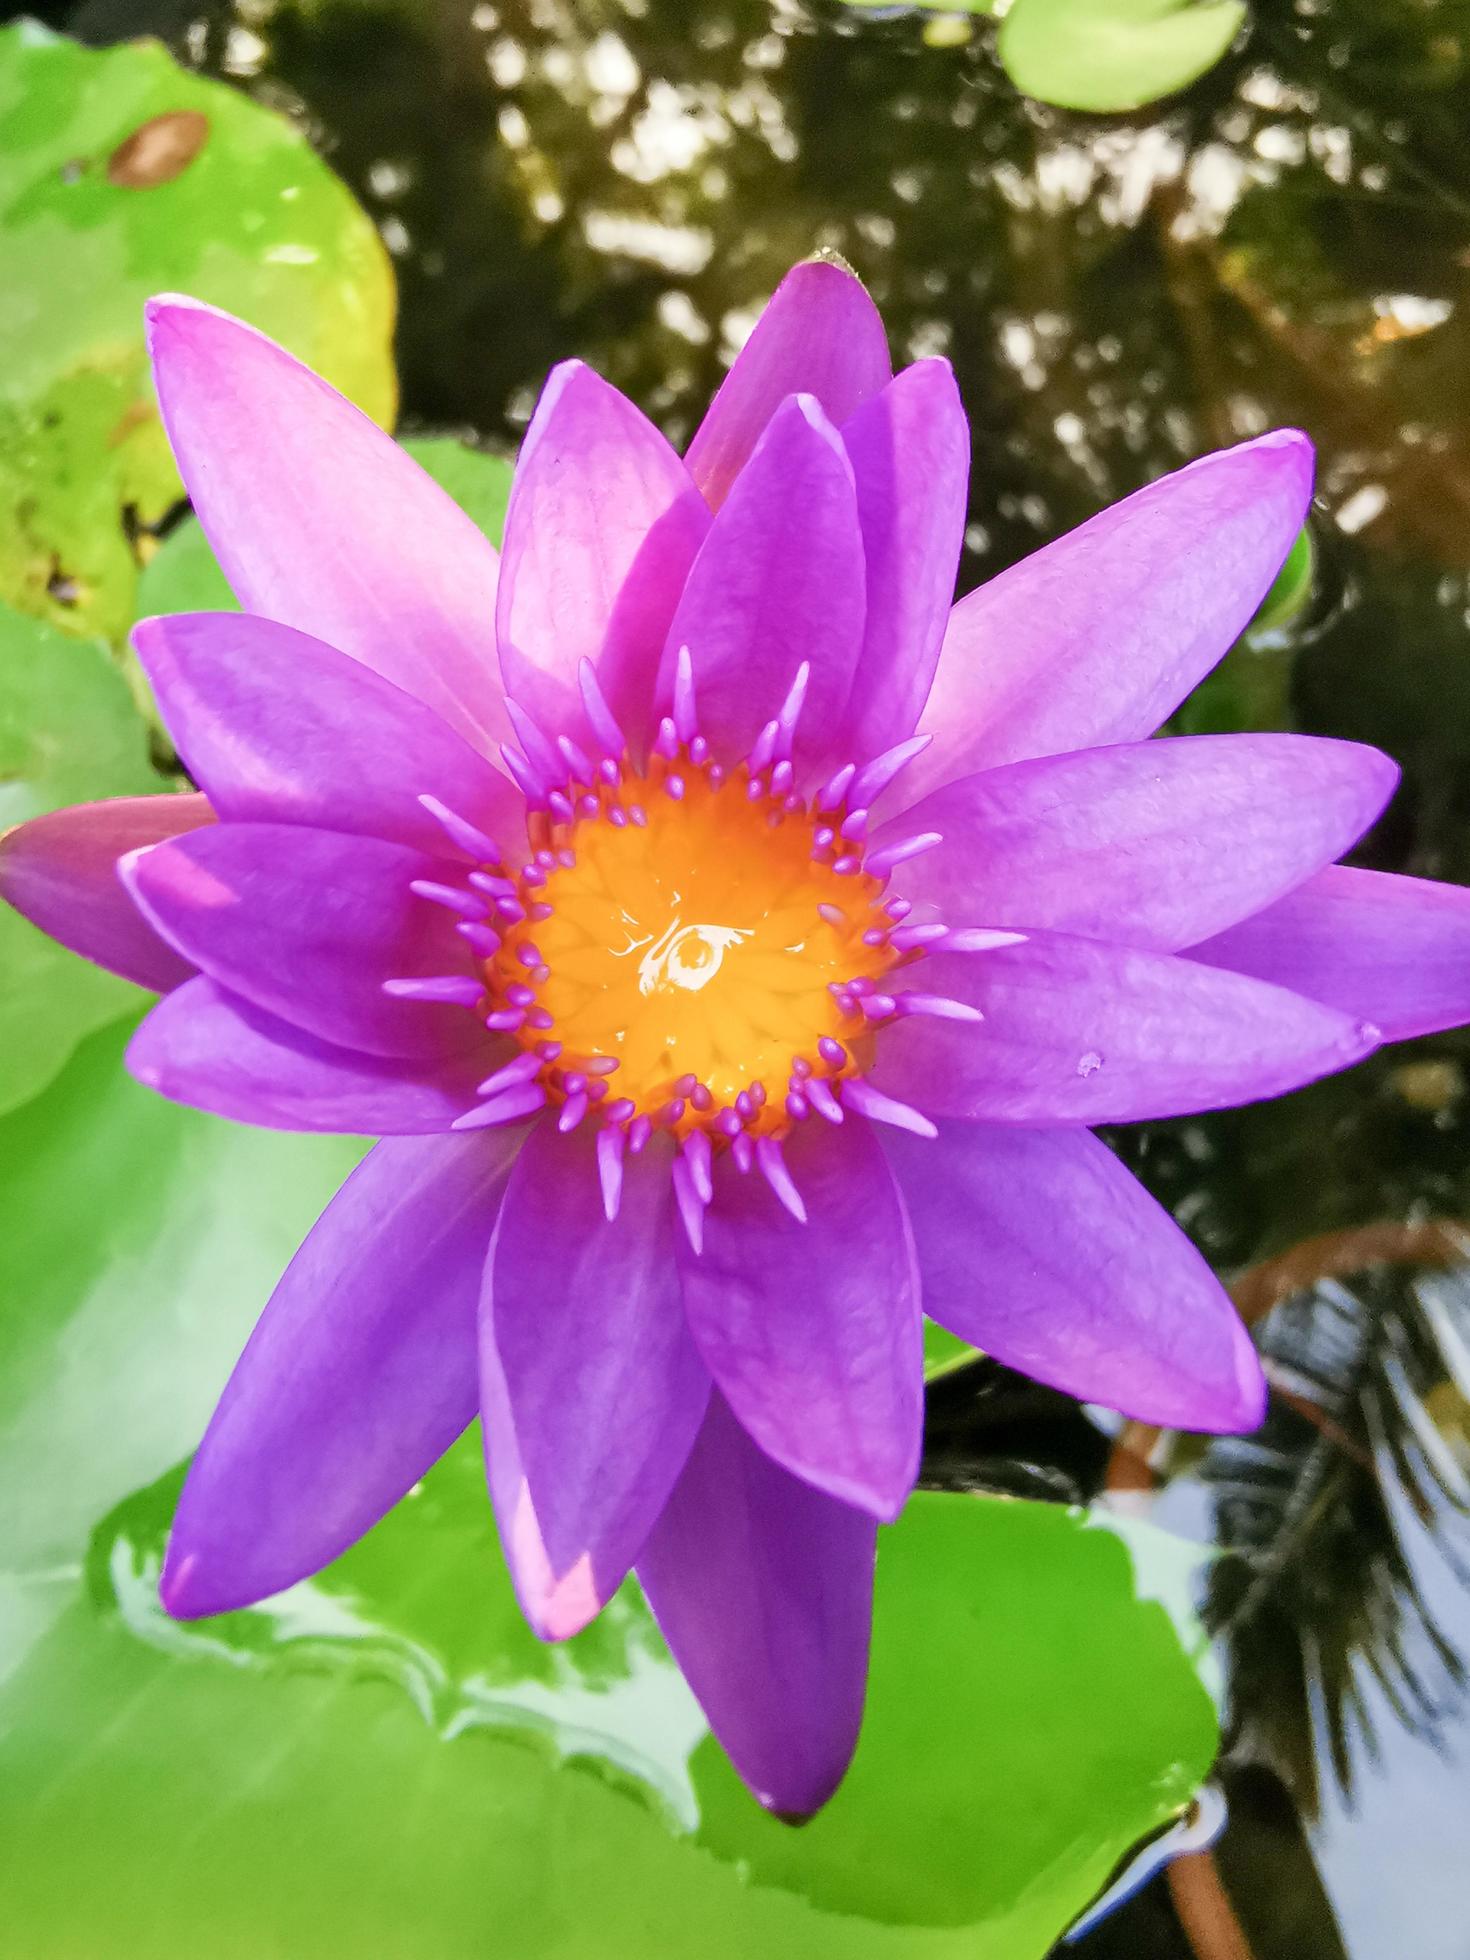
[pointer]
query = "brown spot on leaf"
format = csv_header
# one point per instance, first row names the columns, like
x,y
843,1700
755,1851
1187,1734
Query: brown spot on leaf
x,y
159,151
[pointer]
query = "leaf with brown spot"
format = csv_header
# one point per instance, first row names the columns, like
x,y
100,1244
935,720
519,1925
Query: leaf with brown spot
x,y
162,149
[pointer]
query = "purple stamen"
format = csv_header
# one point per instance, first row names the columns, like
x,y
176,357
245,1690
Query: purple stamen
x,y
875,776
904,938
521,1101
511,910
686,718
691,1211
520,1070
758,1094
617,816
672,1111
854,825
493,884
673,786
801,1068
744,1107
875,936
572,1112
938,1006
871,1102
742,1149
599,714
666,742
527,954
773,1169
763,750
602,1065
880,863
560,805
819,1095
540,753
898,908
588,805
609,771
699,751
449,896
791,707
639,815
834,915
728,1123
610,1146
830,1051
455,989
832,793
686,1085
621,1110
548,1050
520,996
536,913
583,768
980,939
539,1018
484,939
878,1007
639,1131
797,1107
472,841
525,779
782,777
701,1098
505,1020
697,1151
823,839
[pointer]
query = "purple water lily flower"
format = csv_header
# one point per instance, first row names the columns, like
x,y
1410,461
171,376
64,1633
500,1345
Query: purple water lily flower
x,y
734,945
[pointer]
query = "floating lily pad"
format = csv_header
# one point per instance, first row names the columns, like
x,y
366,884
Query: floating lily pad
x,y
123,175
384,1760
1113,55
70,732
184,576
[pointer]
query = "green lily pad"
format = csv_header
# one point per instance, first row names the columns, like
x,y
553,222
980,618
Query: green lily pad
x,y
70,732
123,175
1113,55
184,576
1291,588
383,1760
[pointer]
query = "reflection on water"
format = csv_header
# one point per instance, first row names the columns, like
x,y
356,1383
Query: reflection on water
x,y
1289,242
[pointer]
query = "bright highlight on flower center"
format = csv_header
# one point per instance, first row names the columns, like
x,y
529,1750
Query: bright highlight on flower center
x,y
707,949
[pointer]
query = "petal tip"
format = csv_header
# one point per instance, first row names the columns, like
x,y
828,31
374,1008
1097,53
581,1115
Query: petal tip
x,y
183,1589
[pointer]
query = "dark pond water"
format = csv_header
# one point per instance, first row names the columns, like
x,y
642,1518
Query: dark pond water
x,y
1289,242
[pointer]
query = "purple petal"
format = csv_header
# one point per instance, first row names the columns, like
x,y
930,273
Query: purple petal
x,y
60,872
603,525
1394,950
763,1589
1152,844
778,581
1098,637
1075,1031
214,1050
280,728
812,1331
1038,1247
308,925
360,1373
820,336
592,1391
320,520
910,453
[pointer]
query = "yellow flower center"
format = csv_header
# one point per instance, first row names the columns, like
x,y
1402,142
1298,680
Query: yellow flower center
x,y
699,933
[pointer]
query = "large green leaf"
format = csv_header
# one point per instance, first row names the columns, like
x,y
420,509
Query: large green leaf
x,y
123,175
69,732
384,1760
1107,55
183,575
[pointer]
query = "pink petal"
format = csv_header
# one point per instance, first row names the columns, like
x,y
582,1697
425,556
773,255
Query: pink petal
x,y
308,925
763,1589
1075,1031
1394,950
280,728
592,1391
1152,844
603,525
1038,1247
321,521
910,452
778,581
812,1331
213,1050
60,871
820,336
1098,637
359,1375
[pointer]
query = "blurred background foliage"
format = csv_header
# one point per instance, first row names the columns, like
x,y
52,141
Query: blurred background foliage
x,y
383,1760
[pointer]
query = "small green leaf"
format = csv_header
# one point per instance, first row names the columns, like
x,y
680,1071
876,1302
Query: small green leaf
x,y
70,732
1291,588
943,1351
123,175
183,575
1113,55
